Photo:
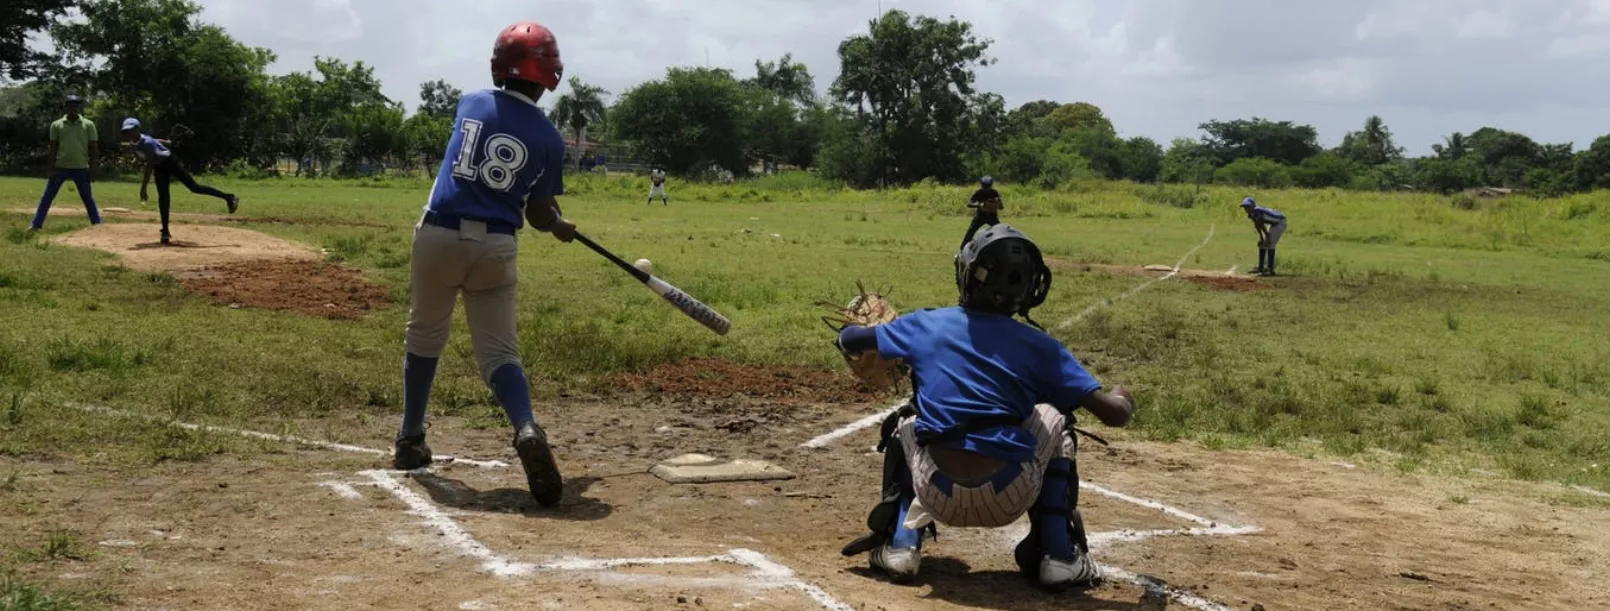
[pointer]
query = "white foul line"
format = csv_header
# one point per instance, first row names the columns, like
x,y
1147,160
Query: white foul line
x,y
343,490
327,445
1590,491
848,429
1184,597
1103,540
765,571
1150,504
1125,295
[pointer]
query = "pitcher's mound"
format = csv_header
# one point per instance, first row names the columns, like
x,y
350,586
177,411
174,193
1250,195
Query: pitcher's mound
x,y
139,245
239,268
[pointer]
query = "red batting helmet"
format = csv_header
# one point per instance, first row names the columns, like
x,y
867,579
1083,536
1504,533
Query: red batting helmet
x,y
527,51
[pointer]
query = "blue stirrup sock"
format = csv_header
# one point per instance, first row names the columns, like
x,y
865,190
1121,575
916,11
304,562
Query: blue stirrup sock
x,y
418,374
905,538
513,393
1052,519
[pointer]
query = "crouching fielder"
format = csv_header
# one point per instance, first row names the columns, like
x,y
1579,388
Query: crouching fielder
x,y
988,435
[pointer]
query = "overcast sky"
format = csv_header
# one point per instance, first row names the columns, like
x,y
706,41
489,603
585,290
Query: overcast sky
x,y
1158,68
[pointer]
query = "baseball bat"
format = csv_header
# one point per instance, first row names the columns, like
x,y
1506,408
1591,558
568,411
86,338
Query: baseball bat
x,y
694,308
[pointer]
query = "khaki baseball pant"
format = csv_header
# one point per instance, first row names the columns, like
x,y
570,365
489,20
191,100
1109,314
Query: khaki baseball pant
x,y
482,266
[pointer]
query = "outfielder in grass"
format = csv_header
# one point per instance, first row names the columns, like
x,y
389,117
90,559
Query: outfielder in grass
x,y
988,434
1270,224
504,159
657,178
160,159
986,202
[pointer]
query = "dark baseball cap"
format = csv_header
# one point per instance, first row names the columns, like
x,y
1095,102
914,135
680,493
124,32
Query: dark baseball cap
x,y
75,99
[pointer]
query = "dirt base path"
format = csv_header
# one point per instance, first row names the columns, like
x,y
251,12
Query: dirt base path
x,y
318,529
1227,280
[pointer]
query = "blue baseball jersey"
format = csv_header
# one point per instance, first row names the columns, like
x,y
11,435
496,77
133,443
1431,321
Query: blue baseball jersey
x,y
972,366
1267,215
503,151
151,150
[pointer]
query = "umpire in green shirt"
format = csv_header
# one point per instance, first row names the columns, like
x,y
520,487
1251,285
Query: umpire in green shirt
x,y
73,152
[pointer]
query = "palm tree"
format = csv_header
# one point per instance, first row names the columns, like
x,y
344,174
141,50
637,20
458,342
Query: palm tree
x,y
1455,148
581,106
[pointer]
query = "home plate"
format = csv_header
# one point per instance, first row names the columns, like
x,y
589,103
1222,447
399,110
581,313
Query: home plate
x,y
702,469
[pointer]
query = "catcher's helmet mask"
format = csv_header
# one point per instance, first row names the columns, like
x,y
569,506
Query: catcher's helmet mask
x,y
1001,270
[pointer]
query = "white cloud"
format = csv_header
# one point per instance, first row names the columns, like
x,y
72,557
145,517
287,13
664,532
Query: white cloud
x,y
1158,68
1573,47
1484,23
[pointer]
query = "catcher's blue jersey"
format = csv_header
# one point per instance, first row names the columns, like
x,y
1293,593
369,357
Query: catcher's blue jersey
x,y
503,150
973,367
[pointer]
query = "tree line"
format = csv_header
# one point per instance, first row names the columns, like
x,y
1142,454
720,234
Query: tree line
x,y
904,108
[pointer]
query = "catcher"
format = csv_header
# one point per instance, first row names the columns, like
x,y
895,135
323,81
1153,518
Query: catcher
x,y
987,201
988,435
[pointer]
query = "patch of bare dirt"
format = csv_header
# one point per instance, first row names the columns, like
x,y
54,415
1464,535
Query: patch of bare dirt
x,y
1221,280
713,378
314,288
1229,283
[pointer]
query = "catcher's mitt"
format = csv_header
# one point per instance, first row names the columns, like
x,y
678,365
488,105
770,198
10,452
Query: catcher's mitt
x,y
867,310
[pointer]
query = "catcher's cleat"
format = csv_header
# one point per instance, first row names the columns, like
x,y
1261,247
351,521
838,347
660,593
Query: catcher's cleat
x,y
234,202
411,453
541,474
1054,575
1081,572
899,563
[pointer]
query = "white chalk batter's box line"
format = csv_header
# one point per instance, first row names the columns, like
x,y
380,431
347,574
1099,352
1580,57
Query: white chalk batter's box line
x,y
765,573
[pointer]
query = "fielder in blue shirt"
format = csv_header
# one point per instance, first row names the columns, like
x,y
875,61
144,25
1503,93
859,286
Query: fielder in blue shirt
x,y
988,436
1270,224
161,160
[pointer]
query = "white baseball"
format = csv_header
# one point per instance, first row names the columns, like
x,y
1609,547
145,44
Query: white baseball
x,y
644,265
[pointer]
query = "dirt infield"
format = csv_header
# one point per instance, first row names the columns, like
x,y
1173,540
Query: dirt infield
x,y
319,529
1222,280
313,288
239,268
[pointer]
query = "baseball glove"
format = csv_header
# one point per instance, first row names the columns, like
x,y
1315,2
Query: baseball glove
x,y
867,310
990,207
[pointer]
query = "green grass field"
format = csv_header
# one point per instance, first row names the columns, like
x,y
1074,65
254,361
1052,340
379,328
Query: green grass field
x,y
1435,334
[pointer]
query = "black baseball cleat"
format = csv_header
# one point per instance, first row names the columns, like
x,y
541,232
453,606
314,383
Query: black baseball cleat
x,y
165,236
234,203
541,474
411,453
